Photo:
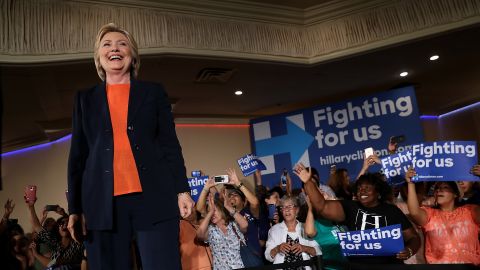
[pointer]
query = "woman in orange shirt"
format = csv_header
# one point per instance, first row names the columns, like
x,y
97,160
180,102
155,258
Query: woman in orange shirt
x,y
126,173
451,231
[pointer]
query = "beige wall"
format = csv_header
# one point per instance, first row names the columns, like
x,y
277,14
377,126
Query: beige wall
x,y
211,149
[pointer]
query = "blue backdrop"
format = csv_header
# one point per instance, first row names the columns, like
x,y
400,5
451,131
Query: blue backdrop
x,y
334,133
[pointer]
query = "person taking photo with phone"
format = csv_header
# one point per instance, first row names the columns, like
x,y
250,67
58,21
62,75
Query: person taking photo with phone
x,y
64,251
223,228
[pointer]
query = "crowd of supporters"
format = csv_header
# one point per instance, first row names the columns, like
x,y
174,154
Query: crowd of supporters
x,y
234,226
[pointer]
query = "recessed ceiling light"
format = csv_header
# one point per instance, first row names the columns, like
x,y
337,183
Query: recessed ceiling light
x,y
434,57
238,92
403,74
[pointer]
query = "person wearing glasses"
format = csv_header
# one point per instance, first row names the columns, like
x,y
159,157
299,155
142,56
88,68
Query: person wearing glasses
x,y
286,240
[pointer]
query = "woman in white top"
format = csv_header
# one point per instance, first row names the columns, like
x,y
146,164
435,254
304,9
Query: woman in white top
x,y
287,241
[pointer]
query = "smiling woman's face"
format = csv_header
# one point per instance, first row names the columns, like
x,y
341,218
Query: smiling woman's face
x,y
367,195
115,54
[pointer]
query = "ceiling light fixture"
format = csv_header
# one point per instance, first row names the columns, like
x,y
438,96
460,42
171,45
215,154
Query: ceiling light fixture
x,y
403,74
434,57
238,92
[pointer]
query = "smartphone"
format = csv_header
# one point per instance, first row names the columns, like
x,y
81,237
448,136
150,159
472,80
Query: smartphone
x,y
397,139
368,152
283,178
51,207
31,193
221,179
272,208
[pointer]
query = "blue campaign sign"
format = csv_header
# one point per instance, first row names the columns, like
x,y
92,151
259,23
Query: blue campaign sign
x,y
196,186
249,164
385,241
435,161
335,133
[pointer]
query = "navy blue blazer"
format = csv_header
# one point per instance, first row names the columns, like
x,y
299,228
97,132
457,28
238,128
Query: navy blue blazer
x,y
155,147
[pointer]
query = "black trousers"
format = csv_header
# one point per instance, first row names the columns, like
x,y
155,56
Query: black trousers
x,y
157,243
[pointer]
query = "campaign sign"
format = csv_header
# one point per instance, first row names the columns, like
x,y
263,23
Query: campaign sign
x,y
196,186
435,161
249,164
385,241
335,134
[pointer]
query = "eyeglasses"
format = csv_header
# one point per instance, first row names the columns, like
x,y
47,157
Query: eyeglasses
x,y
287,207
62,223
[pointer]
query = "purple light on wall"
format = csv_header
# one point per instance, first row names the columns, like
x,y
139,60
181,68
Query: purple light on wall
x,y
468,107
428,117
36,147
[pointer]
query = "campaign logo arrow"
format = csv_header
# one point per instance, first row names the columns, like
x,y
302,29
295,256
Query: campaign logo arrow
x,y
295,142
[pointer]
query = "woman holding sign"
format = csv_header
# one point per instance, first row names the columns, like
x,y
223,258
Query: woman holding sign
x,y
371,211
451,231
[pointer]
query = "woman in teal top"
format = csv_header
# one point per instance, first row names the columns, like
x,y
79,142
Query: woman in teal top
x,y
325,233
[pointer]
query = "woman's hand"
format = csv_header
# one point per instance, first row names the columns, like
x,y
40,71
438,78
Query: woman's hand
x,y
370,160
9,206
72,221
226,202
296,248
33,248
209,184
302,173
475,170
60,211
185,204
29,202
410,173
405,254
284,248
232,177
211,205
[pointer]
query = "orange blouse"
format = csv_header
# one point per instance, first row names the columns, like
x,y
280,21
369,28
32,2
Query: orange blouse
x,y
125,173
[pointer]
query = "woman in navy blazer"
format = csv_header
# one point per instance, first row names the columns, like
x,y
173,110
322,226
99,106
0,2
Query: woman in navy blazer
x,y
150,216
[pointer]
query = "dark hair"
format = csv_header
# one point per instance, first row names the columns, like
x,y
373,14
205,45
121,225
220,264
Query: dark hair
x,y
231,188
276,189
226,214
375,179
337,181
453,186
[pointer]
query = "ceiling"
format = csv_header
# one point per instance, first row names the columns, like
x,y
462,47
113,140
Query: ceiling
x,y
37,99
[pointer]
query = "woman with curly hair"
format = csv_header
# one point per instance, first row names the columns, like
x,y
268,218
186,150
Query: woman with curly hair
x,y
370,211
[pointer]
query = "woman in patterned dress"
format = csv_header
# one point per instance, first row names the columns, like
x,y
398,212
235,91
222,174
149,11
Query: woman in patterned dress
x,y
223,229
65,252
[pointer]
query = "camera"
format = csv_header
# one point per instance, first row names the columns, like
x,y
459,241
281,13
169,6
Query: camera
x,y
51,207
221,179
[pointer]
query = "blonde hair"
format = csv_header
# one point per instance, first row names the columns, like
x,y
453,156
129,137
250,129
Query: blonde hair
x,y
108,28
